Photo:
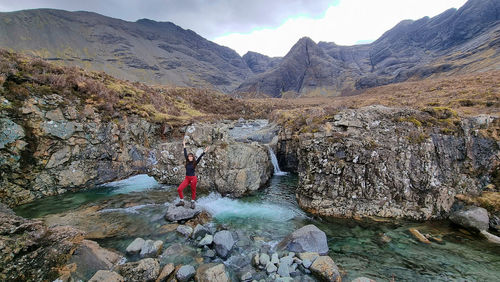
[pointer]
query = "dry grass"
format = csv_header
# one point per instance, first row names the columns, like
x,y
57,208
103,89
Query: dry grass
x,y
466,94
22,77
444,98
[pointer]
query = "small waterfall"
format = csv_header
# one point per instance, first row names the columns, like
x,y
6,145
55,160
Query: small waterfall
x,y
274,160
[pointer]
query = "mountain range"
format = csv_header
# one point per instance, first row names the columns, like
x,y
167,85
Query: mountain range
x,y
455,42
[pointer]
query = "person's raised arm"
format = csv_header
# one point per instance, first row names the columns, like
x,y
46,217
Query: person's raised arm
x,y
202,154
185,151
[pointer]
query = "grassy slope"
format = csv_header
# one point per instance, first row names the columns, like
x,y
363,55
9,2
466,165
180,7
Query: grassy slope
x,y
23,76
445,98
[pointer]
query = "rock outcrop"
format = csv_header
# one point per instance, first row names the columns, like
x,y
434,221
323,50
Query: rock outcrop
x,y
232,168
29,251
53,147
391,162
48,147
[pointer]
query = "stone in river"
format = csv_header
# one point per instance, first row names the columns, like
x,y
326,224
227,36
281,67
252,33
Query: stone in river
x,y
474,218
264,259
223,241
135,247
283,269
181,213
165,273
211,272
185,273
200,231
151,248
325,269
146,269
207,240
306,239
185,230
270,268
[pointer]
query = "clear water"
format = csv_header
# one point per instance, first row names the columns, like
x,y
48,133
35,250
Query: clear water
x,y
137,206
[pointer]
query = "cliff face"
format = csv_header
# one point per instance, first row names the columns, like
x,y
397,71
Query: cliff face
x,y
379,161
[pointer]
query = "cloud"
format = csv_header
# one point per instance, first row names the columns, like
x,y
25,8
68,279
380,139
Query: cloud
x,y
348,23
209,18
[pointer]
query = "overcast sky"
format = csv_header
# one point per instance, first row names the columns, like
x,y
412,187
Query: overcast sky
x,y
269,27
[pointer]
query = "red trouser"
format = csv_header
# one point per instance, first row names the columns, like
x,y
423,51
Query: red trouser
x,y
188,180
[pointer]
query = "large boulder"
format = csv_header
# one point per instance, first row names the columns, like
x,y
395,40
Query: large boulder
x,y
224,242
306,239
181,213
325,269
211,272
475,218
146,269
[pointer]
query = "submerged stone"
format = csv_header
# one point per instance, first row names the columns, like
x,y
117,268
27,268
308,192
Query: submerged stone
x,y
306,239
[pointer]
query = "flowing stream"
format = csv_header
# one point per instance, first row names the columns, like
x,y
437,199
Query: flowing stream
x,y
380,250
274,161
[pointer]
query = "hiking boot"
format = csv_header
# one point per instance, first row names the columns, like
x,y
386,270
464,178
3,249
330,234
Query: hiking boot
x,y
193,205
179,204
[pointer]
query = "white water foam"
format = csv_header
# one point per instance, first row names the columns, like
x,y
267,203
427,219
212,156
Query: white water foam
x,y
134,209
223,208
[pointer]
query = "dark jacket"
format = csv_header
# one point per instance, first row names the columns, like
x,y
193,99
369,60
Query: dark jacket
x,y
190,166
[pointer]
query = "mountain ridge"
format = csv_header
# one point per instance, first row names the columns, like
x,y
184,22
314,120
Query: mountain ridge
x,y
456,41
145,50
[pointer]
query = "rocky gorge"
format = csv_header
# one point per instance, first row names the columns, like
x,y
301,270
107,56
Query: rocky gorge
x,y
90,166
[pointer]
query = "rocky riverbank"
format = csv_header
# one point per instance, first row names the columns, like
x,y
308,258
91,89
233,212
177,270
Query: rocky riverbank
x,y
48,147
379,161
